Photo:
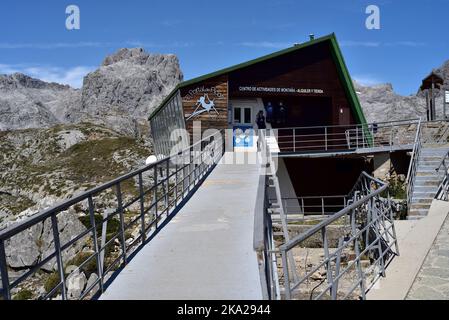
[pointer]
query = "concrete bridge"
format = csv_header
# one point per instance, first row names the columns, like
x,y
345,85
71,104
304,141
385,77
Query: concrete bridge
x,y
204,230
206,251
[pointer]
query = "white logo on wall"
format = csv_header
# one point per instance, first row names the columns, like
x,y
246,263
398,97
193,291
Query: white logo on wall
x,y
203,104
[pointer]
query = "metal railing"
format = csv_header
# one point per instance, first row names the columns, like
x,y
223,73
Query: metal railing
x,y
353,263
347,137
443,172
314,205
160,189
264,242
413,166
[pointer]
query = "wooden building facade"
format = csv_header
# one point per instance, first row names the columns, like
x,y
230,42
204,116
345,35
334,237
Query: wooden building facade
x,y
310,80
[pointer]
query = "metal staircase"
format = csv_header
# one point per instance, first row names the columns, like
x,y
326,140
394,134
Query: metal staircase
x,y
427,179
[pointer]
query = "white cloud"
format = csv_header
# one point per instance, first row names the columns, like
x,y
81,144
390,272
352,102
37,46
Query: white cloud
x,y
367,80
56,45
374,44
267,44
69,45
360,44
72,76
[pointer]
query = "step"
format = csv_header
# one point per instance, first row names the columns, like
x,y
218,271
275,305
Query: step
x,y
415,206
429,178
427,167
418,213
418,200
424,194
427,182
424,190
425,173
426,163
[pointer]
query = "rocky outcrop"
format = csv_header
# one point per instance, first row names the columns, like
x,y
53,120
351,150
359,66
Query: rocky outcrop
x,y
40,167
33,245
119,95
26,102
127,86
380,103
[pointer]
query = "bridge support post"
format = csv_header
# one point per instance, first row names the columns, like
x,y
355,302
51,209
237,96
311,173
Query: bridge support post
x,y
4,272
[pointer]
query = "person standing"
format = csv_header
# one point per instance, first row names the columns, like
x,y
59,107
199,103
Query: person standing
x,y
269,112
282,113
260,120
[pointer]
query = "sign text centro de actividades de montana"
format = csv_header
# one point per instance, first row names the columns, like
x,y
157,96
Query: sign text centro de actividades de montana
x,y
280,90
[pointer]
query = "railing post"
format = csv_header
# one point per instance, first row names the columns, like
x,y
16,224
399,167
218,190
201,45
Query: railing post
x,y
328,262
95,241
4,272
286,275
122,221
325,138
294,140
142,208
155,197
176,180
57,244
358,257
167,188
363,136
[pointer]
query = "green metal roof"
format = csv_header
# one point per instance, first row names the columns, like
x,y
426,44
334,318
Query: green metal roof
x,y
336,54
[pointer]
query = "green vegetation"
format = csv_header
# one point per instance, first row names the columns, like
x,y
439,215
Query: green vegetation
x,y
90,267
397,190
34,160
23,294
112,228
51,281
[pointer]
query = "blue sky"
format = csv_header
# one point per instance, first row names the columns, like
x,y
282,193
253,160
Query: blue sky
x,y
209,35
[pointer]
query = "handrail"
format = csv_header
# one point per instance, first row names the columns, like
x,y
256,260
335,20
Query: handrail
x,y
171,180
371,234
300,238
443,188
346,137
263,241
314,205
388,123
411,173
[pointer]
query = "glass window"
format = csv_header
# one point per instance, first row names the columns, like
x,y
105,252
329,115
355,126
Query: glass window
x,y
247,116
237,115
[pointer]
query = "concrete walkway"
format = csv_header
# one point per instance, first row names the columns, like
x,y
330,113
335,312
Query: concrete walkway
x,y
432,282
415,239
206,250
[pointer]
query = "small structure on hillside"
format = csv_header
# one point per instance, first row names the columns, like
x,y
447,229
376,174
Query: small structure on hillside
x,y
429,84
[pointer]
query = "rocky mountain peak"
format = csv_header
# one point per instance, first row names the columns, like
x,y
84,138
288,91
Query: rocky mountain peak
x,y
119,95
20,80
134,55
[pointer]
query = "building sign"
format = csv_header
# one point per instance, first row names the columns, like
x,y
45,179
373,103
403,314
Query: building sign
x,y
203,90
281,90
204,103
446,96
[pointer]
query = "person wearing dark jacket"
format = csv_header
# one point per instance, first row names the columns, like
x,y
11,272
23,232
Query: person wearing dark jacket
x,y
282,113
260,120
269,112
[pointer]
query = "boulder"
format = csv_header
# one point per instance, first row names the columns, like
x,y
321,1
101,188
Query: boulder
x,y
75,285
92,278
27,248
